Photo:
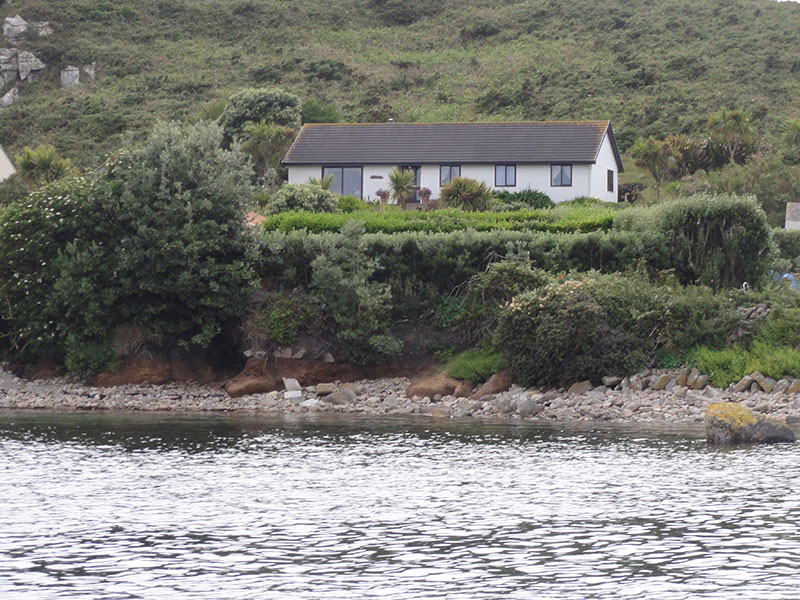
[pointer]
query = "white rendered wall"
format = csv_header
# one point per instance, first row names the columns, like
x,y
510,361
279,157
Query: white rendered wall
x,y
599,179
587,180
302,174
6,167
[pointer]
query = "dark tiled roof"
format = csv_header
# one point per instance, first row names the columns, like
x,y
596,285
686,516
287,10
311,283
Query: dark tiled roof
x,y
458,143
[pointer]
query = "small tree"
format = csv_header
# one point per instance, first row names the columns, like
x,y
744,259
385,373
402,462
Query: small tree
x,y
269,105
40,165
733,130
402,185
656,156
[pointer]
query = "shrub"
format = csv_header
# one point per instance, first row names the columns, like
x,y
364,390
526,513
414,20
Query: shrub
x,y
396,221
480,30
302,197
349,204
505,279
587,327
344,278
719,241
280,317
475,366
523,199
466,194
155,239
315,111
273,106
788,245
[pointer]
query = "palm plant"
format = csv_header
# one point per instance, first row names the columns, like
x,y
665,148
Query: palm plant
x,y
732,129
402,185
466,194
325,182
266,143
40,165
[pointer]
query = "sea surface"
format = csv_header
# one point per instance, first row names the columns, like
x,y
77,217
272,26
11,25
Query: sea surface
x,y
123,506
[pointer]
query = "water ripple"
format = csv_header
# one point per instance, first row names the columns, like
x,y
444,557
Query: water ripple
x,y
162,507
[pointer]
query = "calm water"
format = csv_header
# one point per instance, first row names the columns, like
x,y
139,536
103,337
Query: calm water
x,y
149,506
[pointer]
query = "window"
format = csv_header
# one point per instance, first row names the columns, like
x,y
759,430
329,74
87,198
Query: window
x,y
448,172
505,176
560,175
346,180
610,180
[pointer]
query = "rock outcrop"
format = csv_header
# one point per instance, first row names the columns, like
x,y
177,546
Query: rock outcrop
x,y
9,98
15,29
70,77
15,64
732,423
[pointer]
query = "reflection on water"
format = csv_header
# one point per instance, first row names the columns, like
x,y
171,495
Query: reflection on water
x,y
149,506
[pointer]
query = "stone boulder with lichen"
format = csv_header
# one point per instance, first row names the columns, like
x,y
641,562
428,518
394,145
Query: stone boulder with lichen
x,y
732,423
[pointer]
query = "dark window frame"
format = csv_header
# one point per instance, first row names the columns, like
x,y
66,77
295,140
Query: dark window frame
x,y
506,167
341,176
450,168
610,180
560,175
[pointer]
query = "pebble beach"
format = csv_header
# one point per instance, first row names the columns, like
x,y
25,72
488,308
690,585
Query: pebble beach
x,y
389,397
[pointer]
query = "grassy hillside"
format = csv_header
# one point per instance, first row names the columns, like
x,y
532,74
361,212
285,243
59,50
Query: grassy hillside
x,y
652,67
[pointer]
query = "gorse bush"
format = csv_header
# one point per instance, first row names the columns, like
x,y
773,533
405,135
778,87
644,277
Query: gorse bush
x,y
466,194
302,197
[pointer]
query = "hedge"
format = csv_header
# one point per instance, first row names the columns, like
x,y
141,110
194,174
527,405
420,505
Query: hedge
x,y
441,221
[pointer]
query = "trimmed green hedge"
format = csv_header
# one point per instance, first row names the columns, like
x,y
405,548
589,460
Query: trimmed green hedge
x,y
421,267
441,221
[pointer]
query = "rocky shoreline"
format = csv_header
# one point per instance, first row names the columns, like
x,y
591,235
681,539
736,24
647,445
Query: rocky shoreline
x,y
621,403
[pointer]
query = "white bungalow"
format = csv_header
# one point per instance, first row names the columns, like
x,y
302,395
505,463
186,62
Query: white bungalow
x,y
6,166
563,159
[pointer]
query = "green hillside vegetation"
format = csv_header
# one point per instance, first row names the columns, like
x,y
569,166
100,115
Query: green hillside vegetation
x,y
653,68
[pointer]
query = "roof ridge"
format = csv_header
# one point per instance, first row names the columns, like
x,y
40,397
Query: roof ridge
x,y
574,122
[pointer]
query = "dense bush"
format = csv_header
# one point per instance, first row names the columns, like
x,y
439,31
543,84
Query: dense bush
x,y
272,106
154,240
302,197
719,241
788,245
523,199
466,194
397,221
349,204
584,328
344,278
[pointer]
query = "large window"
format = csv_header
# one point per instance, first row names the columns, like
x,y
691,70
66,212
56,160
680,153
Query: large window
x,y
346,180
610,179
448,172
560,175
505,175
